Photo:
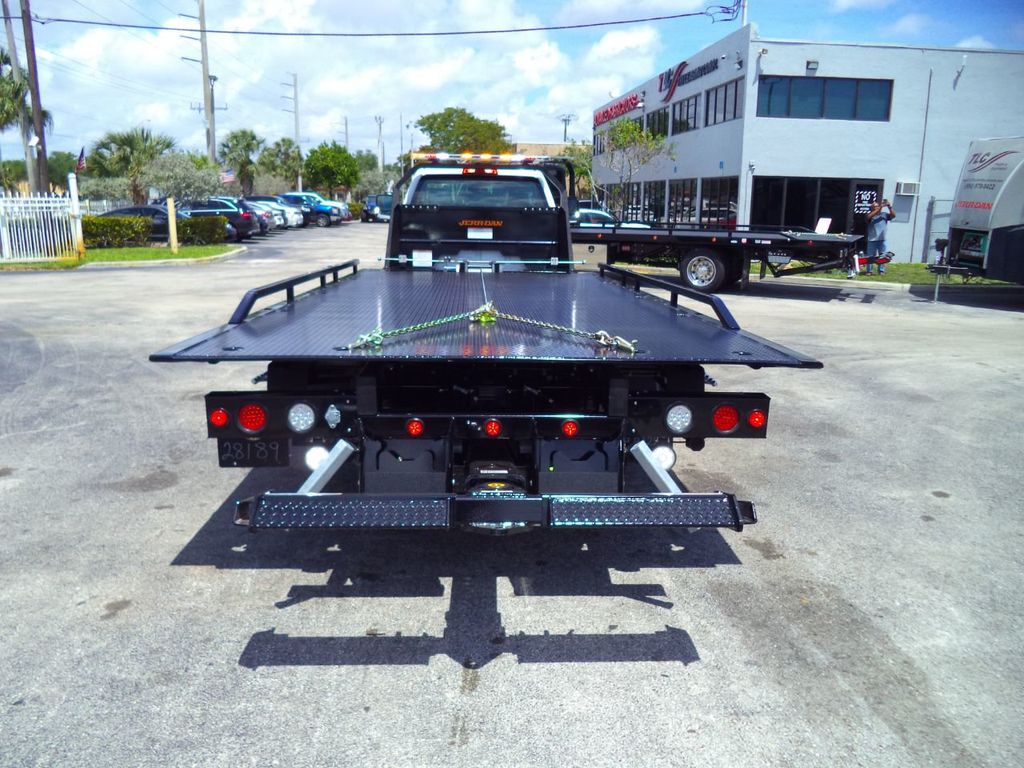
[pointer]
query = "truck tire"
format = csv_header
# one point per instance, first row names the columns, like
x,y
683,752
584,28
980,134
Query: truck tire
x,y
323,220
703,270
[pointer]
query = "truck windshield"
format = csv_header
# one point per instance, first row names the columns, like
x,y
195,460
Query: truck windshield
x,y
473,192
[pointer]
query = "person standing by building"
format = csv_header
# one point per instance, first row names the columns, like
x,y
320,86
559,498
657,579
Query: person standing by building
x,y
879,216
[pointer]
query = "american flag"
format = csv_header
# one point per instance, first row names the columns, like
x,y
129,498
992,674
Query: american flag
x,y
80,165
227,176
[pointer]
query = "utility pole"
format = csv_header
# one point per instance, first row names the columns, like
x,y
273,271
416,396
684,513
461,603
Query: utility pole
x,y
294,98
380,142
566,119
42,172
401,147
211,124
24,123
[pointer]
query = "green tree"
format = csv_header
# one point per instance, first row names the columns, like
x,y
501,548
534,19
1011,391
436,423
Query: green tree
x,y
14,102
60,164
366,160
582,158
628,148
12,174
176,175
127,154
282,159
116,188
331,167
457,130
238,152
373,181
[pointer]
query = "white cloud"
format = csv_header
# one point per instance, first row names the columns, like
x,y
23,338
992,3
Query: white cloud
x,y
974,41
612,44
589,11
538,65
908,25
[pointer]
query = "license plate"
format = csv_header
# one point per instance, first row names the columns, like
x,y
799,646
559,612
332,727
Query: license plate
x,y
252,453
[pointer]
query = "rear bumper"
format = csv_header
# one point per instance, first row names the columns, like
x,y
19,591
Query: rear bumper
x,y
494,513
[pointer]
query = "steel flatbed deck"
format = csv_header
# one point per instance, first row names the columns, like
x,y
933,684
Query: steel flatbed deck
x,y
323,322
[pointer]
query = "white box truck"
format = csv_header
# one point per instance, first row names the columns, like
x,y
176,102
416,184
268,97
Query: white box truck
x,y
986,225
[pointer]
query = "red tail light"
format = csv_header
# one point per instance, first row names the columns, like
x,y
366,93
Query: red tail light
x,y
725,418
414,427
492,428
246,215
219,418
757,419
570,428
252,417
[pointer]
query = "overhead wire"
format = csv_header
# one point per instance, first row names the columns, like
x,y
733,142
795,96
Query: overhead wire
x,y
715,12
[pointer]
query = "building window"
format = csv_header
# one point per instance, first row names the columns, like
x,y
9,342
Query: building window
x,y
832,98
799,201
718,196
684,115
723,103
682,200
654,201
599,138
657,122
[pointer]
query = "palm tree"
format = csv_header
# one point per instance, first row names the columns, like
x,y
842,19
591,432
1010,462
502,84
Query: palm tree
x,y
14,103
283,159
127,153
238,152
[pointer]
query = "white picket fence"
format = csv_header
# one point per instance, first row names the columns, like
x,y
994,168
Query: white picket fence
x,y
36,228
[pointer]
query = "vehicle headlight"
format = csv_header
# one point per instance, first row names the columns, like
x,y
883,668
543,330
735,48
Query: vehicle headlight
x,y
679,419
336,211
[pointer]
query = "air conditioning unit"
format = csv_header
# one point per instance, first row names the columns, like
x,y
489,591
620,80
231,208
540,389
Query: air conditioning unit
x,y
908,188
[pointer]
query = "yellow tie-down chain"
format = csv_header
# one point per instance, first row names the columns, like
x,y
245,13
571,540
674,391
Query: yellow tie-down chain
x,y
485,315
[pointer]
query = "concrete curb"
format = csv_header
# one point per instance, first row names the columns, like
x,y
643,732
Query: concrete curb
x,y
164,262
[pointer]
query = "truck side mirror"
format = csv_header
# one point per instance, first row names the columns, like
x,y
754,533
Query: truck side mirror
x,y
941,243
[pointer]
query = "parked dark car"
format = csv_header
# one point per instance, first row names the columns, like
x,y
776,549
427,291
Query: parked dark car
x,y
265,223
155,213
377,208
238,214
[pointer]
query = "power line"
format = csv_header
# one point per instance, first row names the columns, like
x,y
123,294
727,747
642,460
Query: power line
x,y
716,13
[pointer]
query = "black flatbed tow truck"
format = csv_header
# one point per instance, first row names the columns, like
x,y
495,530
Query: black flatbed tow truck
x,y
713,256
479,381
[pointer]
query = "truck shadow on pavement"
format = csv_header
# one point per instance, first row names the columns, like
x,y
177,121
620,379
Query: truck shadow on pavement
x,y
854,292
404,564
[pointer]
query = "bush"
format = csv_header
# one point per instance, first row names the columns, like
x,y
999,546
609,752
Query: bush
x,y
115,231
202,230
356,209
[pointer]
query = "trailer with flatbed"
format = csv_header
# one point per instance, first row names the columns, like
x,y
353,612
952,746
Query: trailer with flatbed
x,y
479,380
713,256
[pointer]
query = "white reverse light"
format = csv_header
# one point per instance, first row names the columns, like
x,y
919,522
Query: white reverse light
x,y
665,456
316,456
679,419
301,418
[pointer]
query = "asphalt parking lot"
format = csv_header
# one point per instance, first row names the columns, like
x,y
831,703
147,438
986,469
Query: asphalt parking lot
x,y
873,617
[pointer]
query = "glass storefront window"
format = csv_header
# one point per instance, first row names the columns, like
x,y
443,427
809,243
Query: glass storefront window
x,y
718,195
682,200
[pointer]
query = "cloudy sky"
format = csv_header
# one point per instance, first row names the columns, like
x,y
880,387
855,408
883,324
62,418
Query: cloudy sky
x,y
95,79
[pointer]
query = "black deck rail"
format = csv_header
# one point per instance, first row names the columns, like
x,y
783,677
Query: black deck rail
x,y
288,286
675,291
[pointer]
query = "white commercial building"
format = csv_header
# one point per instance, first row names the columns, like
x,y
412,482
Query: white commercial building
x,y
786,133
